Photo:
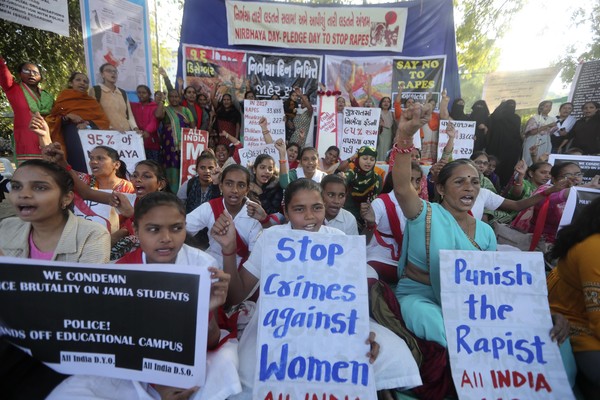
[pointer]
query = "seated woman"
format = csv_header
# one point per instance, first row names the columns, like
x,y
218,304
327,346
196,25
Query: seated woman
x,y
574,290
265,190
293,150
75,109
546,215
482,161
331,161
364,185
309,161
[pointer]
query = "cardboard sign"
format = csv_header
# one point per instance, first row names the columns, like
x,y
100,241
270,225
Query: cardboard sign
x,y
142,322
463,142
360,128
272,110
193,143
497,321
579,197
247,156
590,165
313,318
129,145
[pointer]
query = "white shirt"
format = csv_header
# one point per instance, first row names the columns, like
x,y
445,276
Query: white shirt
x,y
344,221
192,256
203,217
486,200
375,251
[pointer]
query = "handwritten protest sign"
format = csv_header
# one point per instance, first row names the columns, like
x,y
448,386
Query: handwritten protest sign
x,y
272,110
129,145
313,318
463,142
579,197
193,143
590,165
317,27
498,323
420,76
361,128
328,125
142,322
247,156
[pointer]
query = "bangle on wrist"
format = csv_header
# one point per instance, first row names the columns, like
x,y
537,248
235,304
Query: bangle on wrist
x,y
228,254
69,168
403,150
282,161
265,220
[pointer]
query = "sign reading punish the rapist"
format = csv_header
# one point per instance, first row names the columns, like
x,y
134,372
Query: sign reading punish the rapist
x,y
497,322
313,318
141,322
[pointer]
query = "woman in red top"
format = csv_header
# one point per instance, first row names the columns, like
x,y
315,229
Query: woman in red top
x,y
147,122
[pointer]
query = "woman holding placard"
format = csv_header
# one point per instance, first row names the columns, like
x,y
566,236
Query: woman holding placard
x,y
574,291
432,227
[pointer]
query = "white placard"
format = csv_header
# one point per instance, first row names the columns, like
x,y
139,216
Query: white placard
x,y
463,142
313,318
497,322
272,110
48,15
129,145
360,128
327,125
247,156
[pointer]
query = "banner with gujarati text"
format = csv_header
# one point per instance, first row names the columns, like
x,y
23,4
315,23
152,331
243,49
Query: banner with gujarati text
x,y
144,322
313,318
463,142
272,110
322,27
497,322
360,128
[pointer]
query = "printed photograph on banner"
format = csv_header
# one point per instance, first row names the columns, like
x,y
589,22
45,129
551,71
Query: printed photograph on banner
x,y
129,145
367,79
145,322
118,32
463,142
205,66
193,143
360,128
497,323
316,27
579,197
254,110
590,165
328,303
420,76
277,74
585,86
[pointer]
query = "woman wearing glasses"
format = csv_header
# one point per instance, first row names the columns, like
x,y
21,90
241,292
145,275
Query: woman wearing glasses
x,y
25,98
566,172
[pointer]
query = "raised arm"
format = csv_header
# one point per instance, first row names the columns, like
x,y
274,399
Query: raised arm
x,y
165,77
264,126
444,114
411,121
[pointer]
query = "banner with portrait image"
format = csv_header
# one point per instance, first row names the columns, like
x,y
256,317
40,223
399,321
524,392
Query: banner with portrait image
x,y
193,143
118,32
497,322
266,74
315,26
420,77
579,198
144,322
590,165
313,318
366,77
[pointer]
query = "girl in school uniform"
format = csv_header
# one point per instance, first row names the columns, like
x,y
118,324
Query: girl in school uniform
x,y
159,222
309,164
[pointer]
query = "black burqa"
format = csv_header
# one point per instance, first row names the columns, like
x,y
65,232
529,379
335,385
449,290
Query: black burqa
x,y
504,139
457,112
481,115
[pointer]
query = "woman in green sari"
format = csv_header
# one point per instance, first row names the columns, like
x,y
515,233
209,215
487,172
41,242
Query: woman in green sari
x,y
174,118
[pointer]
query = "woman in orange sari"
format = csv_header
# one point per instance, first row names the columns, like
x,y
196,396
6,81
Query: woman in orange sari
x,y
74,109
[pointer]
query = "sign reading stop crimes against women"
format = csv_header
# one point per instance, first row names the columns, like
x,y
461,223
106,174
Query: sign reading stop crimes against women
x,y
141,322
360,128
193,143
129,145
313,318
497,321
254,110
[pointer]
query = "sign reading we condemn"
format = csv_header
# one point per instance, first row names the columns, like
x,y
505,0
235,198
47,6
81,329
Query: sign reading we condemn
x,y
497,321
298,26
144,322
313,318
